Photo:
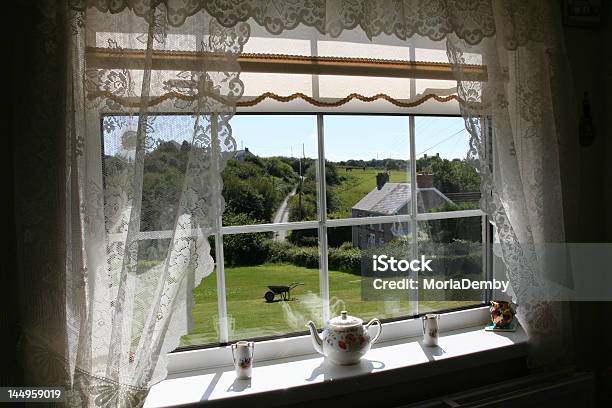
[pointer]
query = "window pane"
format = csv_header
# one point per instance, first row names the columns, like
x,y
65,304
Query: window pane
x,y
367,169
350,256
272,285
447,180
204,316
455,247
272,176
167,147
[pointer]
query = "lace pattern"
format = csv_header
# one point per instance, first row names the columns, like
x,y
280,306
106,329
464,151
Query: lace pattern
x,y
521,190
471,20
518,22
123,318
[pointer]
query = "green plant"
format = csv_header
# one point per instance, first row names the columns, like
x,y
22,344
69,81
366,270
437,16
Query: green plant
x,y
244,249
345,259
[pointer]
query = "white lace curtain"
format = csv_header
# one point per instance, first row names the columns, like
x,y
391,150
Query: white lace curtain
x,y
117,325
120,318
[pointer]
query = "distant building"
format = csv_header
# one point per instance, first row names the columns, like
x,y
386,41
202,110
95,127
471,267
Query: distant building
x,y
392,199
241,155
174,144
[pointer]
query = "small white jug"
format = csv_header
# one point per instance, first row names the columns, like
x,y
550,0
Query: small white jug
x,y
242,353
430,329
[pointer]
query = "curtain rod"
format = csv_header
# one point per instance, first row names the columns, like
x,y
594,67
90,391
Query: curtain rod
x,y
105,58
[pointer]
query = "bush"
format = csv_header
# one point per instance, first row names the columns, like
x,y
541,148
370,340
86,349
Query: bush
x,y
277,251
242,198
346,245
249,188
455,259
278,168
307,257
345,259
285,252
303,207
244,249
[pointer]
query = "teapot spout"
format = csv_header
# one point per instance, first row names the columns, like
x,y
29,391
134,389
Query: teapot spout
x,y
317,342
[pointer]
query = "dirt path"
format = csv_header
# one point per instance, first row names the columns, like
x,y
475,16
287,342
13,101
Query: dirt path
x,y
282,215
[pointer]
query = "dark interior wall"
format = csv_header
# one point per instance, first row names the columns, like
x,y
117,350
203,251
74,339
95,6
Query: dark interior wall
x,y
590,219
34,157
588,49
605,124
607,120
10,372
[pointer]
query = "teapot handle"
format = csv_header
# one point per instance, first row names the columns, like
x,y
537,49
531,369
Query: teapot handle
x,y
375,321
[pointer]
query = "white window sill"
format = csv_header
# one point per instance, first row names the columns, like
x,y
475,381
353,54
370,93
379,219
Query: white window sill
x,y
464,348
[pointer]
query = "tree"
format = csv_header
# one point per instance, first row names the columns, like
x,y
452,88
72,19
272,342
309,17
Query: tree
x,y
257,186
391,164
450,176
164,171
332,177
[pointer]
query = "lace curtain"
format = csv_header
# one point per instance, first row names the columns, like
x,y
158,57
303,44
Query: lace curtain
x,y
112,317
527,101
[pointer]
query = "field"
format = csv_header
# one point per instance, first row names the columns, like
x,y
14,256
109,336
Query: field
x,y
357,183
251,316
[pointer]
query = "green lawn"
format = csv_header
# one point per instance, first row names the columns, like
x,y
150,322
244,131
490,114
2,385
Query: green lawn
x,y
357,183
251,316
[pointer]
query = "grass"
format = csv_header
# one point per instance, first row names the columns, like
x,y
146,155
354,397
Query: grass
x,y
250,315
357,183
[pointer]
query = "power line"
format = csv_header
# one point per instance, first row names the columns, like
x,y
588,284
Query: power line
x,y
440,142
424,125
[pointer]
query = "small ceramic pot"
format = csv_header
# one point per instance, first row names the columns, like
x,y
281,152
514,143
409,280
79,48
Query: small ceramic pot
x,y
430,329
242,353
502,313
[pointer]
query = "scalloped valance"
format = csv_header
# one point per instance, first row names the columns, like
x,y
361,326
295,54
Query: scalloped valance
x,y
469,20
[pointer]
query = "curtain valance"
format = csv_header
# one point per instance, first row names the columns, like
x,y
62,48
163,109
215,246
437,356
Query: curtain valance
x,y
470,20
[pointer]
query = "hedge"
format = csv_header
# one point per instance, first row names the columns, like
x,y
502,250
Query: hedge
x,y
453,260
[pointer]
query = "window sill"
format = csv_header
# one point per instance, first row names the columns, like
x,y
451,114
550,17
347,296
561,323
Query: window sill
x,y
458,349
192,362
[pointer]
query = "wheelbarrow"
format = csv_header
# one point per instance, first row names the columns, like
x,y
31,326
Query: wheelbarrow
x,y
283,291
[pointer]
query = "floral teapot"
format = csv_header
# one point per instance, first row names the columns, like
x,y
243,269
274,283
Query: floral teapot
x,y
345,339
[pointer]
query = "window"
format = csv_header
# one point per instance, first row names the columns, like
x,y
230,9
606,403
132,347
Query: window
x,y
308,199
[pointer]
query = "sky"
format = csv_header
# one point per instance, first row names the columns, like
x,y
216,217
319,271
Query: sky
x,y
346,137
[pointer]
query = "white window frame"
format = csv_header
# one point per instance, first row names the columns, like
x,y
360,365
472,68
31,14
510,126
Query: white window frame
x,y
204,356
323,223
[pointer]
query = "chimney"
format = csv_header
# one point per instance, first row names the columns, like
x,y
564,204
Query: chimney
x,y
246,149
381,179
437,154
425,156
425,180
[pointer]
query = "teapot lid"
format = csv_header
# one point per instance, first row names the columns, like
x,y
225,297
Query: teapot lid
x,y
344,320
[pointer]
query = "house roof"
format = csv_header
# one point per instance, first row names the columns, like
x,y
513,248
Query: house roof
x,y
242,154
392,197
